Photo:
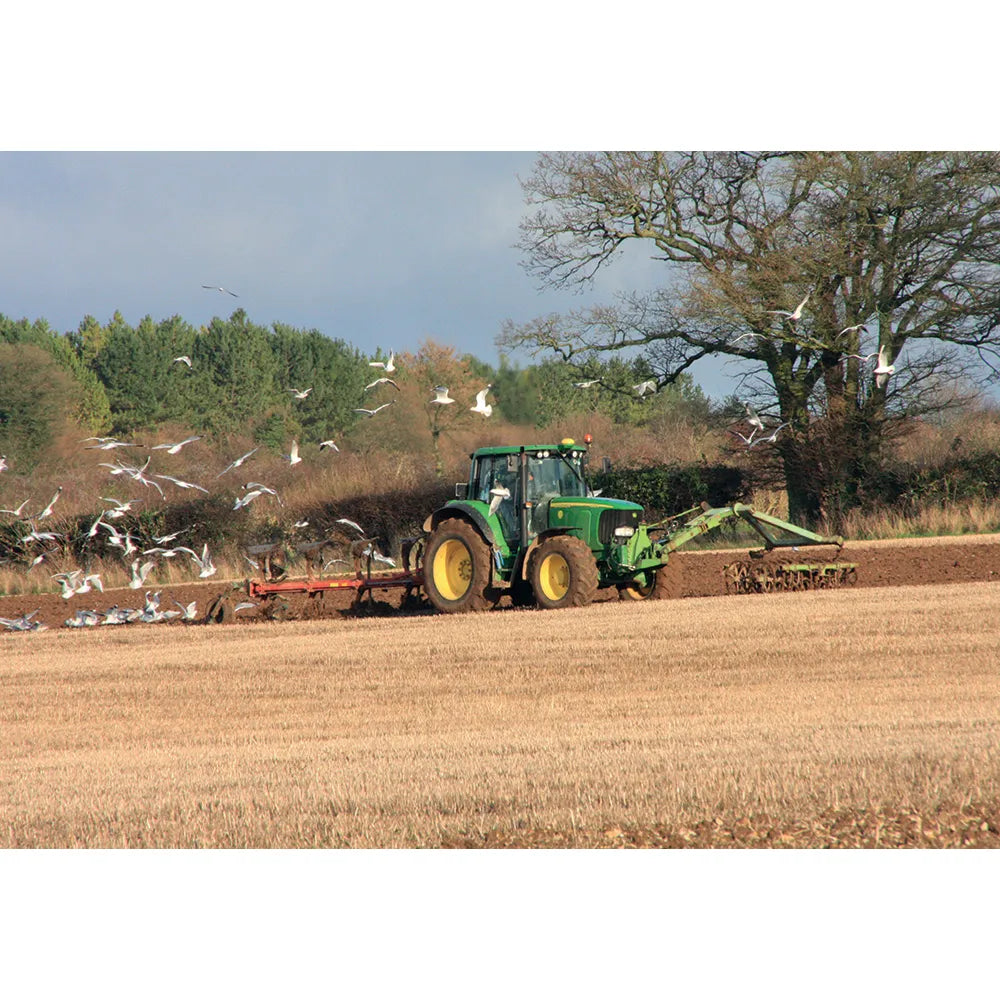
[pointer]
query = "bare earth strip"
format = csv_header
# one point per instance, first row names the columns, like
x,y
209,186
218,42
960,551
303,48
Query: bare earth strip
x,y
830,718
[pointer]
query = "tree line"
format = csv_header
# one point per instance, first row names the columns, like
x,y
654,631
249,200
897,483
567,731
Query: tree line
x,y
234,376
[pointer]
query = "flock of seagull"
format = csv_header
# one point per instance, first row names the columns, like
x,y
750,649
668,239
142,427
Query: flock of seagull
x,y
76,582
142,562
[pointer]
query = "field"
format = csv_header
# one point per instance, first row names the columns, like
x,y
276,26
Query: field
x,y
856,717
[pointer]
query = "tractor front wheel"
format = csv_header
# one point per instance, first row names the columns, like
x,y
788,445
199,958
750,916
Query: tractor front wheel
x,y
457,568
658,586
564,573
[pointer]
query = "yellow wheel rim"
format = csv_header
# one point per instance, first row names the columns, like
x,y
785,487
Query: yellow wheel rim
x,y
553,577
452,570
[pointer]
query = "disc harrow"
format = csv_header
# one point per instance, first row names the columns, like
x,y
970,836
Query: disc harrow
x,y
750,577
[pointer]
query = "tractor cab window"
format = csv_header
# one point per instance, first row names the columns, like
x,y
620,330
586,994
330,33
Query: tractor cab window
x,y
495,470
555,475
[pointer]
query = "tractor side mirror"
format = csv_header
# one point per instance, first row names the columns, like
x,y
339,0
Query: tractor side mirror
x,y
512,463
461,491
605,465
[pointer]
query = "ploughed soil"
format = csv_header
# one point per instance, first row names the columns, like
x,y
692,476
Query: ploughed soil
x,y
910,562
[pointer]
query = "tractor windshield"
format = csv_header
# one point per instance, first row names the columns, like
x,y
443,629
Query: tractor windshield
x,y
555,474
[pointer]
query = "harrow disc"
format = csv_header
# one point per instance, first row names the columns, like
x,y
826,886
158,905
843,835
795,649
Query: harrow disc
x,y
749,577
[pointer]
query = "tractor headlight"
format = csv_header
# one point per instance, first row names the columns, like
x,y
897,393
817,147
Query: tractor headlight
x,y
626,531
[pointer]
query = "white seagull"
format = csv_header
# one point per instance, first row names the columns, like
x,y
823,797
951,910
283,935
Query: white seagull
x,y
219,288
68,582
301,393
381,381
883,369
238,462
796,313
648,386
387,366
181,483
172,449
19,510
3,463
204,562
371,413
753,418
770,439
351,524
328,444
183,359
587,384
245,501
48,510
481,405
293,456
498,494
441,395
108,443
139,573
119,510
188,611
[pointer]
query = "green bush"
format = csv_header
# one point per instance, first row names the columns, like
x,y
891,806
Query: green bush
x,y
665,490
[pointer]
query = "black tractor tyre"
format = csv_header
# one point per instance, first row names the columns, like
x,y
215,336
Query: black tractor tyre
x,y
457,568
564,573
521,594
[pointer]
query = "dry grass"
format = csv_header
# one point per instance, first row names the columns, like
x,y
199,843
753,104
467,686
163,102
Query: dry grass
x,y
653,723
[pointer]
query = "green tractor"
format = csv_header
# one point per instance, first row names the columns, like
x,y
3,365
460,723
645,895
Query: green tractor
x,y
527,525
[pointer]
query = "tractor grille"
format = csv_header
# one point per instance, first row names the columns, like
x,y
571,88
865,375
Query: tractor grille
x,y
611,519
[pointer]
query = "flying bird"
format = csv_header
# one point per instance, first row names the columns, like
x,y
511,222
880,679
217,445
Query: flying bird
x,y
139,573
351,524
770,439
371,413
108,443
17,510
293,456
183,359
181,483
481,405
245,501
219,288
753,418
301,393
48,510
587,384
883,369
748,441
796,313
188,611
441,395
3,463
204,562
387,366
328,444
68,582
381,381
238,462
498,494
172,449
648,386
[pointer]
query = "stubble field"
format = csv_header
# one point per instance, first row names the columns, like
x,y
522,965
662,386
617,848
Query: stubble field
x,y
862,717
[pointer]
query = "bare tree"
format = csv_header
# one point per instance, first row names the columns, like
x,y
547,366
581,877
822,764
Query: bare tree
x,y
817,271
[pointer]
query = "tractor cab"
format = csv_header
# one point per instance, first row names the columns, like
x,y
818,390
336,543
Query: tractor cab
x,y
520,484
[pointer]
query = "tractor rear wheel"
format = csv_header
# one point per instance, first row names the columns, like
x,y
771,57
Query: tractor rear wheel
x,y
457,568
564,573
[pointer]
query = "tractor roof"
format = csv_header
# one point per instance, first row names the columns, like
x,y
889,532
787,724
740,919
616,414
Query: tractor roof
x,y
566,446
